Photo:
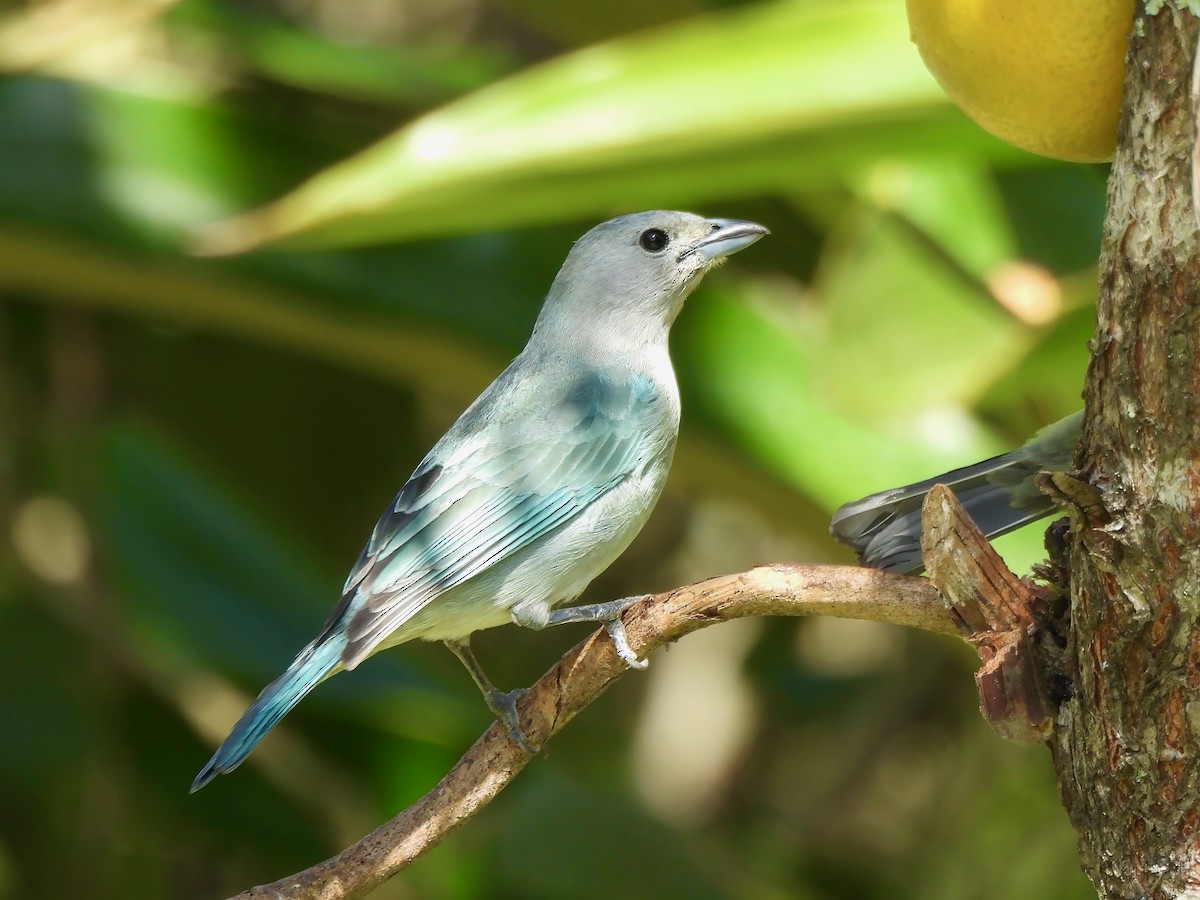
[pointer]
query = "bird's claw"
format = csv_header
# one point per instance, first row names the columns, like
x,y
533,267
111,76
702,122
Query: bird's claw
x,y
609,613
616,632
504,707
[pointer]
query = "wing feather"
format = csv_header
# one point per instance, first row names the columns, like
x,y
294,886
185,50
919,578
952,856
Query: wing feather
x,y
464,512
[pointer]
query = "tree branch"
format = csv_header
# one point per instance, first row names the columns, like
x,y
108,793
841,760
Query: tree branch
x,y
581,676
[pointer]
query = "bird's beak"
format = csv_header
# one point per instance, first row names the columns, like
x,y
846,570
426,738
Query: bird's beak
x,y
728,237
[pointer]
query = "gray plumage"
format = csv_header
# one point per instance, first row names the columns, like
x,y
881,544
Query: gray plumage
x,y
999,494
539,485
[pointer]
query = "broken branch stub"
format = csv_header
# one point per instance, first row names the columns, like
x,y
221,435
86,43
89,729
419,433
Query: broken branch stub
x,y
993,608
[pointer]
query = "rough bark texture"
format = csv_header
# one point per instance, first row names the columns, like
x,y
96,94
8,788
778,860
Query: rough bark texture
x,y
1128,745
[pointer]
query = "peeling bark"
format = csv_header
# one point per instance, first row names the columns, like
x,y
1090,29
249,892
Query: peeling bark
x,y
1127,747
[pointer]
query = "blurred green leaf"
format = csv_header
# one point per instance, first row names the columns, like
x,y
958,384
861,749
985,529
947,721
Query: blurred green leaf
x,y
762,386
888,296
577,23
1048,384
722,105
199,565
180,292
417,74
1055,213
956,205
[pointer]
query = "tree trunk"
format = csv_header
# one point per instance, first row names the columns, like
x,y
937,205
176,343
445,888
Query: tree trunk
x,y
1127,749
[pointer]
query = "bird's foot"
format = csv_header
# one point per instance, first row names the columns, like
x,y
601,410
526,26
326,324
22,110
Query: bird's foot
x,y
504,707
610,615
616,631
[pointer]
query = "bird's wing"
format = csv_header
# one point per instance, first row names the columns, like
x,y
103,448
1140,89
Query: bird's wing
x,y
499,489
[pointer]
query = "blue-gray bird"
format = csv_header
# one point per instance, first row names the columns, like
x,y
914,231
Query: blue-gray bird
x,y
999,495
539,485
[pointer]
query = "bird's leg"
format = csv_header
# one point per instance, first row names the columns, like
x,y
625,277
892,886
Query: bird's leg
x,y
610,614
503,705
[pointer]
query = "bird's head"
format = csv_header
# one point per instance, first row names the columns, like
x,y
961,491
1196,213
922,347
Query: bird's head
x,y
632,273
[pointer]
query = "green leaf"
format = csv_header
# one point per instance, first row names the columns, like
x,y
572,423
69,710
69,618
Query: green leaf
x,y
417,74
760,385
956,204
891,301
778,95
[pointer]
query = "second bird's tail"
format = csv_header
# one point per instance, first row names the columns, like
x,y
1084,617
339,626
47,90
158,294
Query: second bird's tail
x,y
312,666
999,494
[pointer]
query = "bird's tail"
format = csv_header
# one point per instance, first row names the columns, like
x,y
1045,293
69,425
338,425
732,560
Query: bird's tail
x,y
1000,494
313,665
885,528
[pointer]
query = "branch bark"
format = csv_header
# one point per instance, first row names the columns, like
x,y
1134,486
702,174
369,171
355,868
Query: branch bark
x,y
581,676
1127,747
996,612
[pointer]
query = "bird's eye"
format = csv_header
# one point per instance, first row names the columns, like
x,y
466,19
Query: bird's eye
x,y
654,239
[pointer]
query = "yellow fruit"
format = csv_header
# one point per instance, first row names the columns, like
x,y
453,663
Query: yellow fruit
x,y
1044,75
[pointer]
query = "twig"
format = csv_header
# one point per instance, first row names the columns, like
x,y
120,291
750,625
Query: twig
x,y
581,676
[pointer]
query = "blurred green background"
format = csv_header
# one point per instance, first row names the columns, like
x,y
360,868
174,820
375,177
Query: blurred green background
x,y
193,449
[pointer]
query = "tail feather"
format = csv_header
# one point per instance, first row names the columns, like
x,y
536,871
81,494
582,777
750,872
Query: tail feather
x,y
312,666
998,495
885,528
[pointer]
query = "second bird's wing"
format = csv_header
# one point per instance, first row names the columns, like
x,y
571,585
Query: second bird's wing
x,y
488,491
